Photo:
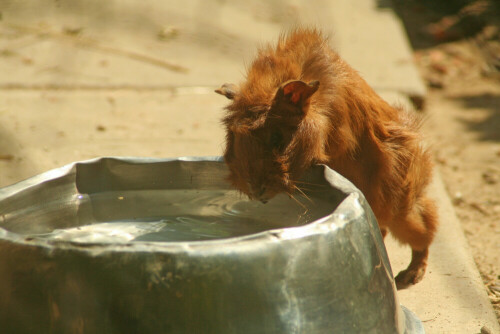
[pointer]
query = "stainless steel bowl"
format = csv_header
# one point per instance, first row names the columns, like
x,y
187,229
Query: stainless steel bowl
x,y
136,245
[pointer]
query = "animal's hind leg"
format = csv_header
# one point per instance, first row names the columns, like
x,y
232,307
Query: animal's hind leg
x,y
415,271
416,229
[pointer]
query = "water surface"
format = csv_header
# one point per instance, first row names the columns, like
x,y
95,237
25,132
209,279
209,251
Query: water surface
x,y
180,215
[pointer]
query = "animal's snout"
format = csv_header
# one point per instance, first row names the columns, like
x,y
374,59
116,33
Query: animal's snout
x,y
258,192
261,194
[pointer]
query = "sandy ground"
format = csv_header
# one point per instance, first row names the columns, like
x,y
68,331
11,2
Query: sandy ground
x,y
462,118
459,127
464,127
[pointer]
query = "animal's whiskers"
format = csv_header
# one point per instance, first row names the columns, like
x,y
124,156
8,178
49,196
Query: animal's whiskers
x,y
298,202
309,183
303,193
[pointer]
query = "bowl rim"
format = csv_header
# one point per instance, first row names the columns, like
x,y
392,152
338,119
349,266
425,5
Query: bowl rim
x,y
350,207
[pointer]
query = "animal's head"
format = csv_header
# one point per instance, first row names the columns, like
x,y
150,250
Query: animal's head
x,y
270,138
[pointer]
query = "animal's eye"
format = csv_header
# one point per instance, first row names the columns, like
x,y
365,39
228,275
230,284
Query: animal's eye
x,y
276,140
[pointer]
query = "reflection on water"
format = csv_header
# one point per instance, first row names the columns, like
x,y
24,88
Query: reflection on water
x,y
181,215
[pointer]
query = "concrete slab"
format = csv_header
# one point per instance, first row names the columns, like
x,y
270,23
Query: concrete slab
x,y
148,43
42,130
372,39
158,44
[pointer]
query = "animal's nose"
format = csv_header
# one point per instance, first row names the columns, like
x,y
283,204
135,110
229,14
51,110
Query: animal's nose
x,y
262,192
258,191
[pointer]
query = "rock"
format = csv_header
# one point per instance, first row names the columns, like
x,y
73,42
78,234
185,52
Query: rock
x,y
458,198
486,330
168,33
490,177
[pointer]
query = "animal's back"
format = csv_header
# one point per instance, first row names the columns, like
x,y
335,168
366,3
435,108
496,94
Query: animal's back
x,y
300,54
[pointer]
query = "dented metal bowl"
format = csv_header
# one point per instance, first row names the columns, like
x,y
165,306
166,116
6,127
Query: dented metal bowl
x,y
126,245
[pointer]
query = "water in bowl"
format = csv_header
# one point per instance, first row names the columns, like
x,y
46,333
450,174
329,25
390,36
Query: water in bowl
x,y
180,215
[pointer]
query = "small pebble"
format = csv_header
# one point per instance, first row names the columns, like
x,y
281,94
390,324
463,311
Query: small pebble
x,y
490,177
480,208
168,33
434,82
72,31
486,330
458,198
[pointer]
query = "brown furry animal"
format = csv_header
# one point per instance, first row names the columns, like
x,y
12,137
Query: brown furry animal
x,y
300,105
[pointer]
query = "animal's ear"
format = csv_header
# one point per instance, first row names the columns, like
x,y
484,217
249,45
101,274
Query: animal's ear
x,y
297,91
228,90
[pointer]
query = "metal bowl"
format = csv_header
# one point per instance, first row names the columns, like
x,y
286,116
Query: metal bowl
x,y
99,246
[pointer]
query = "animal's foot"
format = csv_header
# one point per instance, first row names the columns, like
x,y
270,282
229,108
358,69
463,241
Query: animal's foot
x,y
409,277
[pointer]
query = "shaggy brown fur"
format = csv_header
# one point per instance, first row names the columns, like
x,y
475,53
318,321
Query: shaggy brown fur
x,y
300,105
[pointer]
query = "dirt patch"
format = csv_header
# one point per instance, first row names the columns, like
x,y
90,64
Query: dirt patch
x,y
457,50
